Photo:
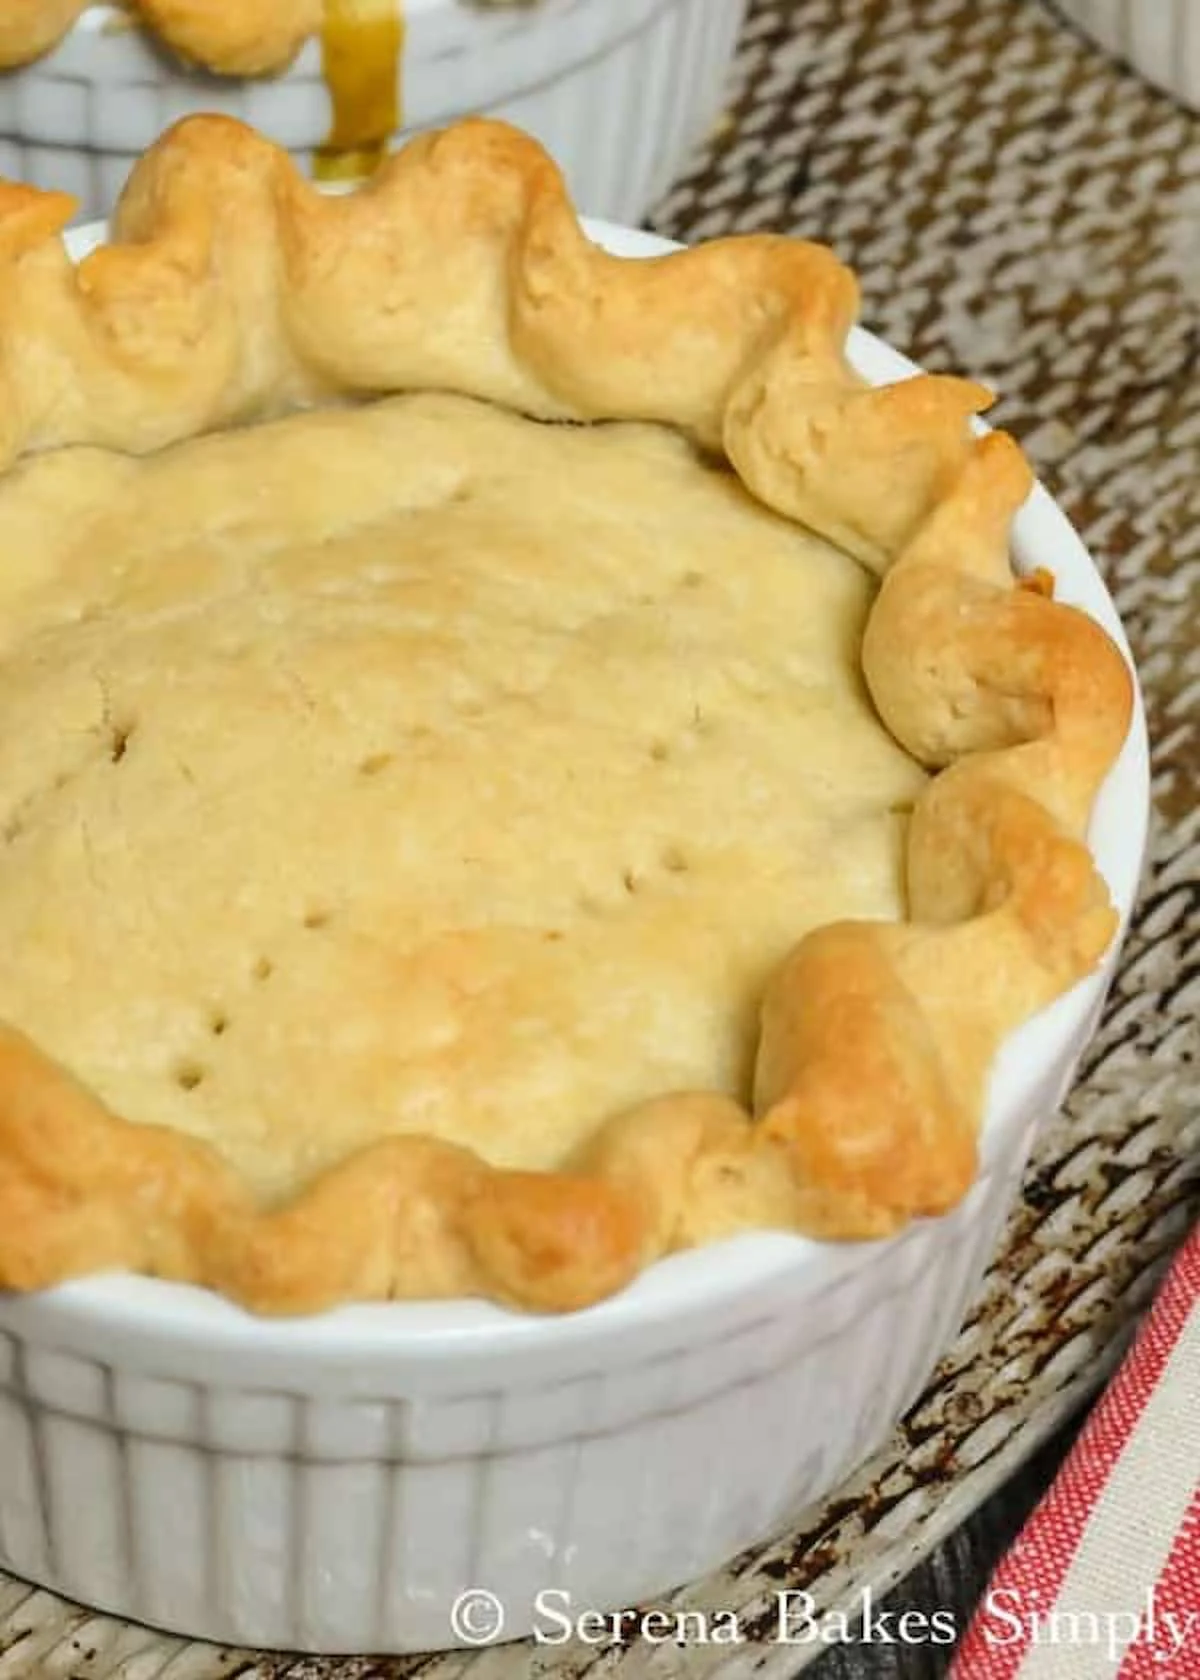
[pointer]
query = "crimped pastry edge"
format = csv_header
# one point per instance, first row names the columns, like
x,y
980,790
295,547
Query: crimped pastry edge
x,y
871,1071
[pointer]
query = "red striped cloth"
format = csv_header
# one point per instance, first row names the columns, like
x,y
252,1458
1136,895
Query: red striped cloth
x,y
1103,1583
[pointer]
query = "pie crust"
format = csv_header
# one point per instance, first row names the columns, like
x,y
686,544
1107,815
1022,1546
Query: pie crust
x,y
234,291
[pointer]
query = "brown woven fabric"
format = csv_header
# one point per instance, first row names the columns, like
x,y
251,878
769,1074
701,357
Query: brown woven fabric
x,y
1023,211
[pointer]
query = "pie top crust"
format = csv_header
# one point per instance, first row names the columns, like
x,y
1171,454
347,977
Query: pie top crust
x,y
378,769
256,686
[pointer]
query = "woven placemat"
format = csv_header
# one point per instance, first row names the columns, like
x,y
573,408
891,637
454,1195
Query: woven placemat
x,y
1023,211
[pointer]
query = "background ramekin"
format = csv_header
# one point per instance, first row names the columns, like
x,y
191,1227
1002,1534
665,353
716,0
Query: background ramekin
x,y
617,90
334,1484
1160,39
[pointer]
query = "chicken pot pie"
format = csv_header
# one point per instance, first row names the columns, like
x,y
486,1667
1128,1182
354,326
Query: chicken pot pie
x,y
361,41
231,37
513,761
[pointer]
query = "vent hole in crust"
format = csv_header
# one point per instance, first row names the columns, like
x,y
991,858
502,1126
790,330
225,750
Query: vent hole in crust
x,y
375,763
660,752
189,1075
118,741
674,861
316,919
702,722
630,881
263,969
218,1023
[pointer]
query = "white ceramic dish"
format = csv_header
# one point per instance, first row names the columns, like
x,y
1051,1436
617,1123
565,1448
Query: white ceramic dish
x,y
617,90
335,1484
1160,39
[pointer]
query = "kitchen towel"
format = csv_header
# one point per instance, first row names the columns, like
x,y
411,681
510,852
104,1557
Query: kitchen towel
x,y
1103,1582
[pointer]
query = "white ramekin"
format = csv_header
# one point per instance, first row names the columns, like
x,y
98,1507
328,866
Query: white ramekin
x,y
1160,39
617,90
334,1484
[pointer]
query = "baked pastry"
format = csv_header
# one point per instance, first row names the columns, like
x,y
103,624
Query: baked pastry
x,y
449,851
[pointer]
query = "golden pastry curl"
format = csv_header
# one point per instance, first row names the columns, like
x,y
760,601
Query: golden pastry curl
x,y
246,38
232,290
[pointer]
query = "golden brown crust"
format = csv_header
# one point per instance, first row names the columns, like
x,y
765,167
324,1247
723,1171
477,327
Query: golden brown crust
x,y
872,1067
249,38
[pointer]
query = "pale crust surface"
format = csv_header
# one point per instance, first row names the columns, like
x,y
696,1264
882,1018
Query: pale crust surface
x,y
234,291
421,768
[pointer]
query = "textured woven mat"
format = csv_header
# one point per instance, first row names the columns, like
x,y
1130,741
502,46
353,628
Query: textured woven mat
x,y
1023,211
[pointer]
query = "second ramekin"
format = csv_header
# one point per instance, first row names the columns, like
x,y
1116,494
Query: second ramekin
x,y
618,91
1160,39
